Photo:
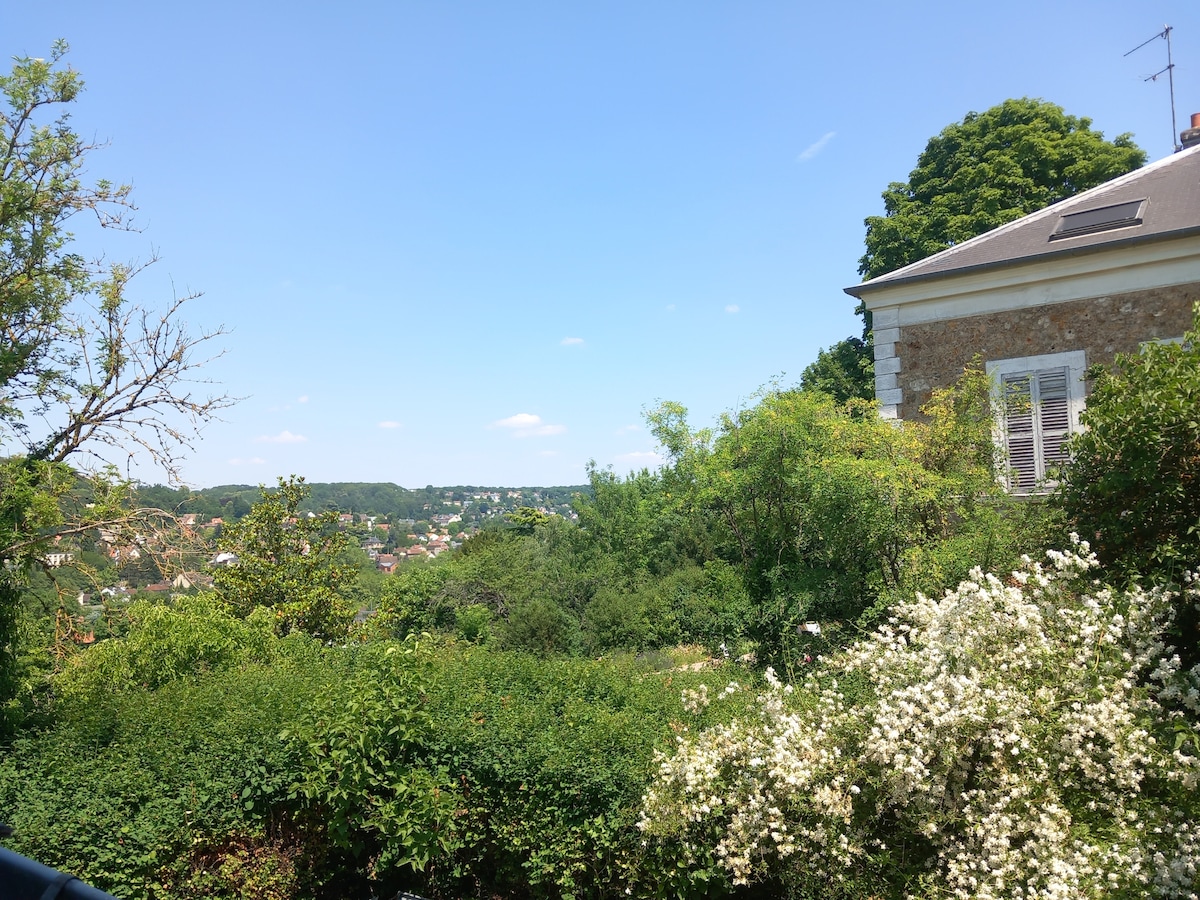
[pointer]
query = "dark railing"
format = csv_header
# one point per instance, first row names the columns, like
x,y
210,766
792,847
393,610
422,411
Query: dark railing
x,y
23,879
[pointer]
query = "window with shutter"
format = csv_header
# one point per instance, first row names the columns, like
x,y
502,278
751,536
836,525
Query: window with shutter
x,y
1038,401
1037,425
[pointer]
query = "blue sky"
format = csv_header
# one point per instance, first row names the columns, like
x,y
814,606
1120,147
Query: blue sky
x,y
469,243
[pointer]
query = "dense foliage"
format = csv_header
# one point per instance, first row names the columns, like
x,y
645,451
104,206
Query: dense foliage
x,y
845,371
164,762
205,756
795,509
1133,486
829,512
1134,480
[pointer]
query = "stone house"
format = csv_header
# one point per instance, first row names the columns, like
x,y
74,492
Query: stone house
x,y
1040,300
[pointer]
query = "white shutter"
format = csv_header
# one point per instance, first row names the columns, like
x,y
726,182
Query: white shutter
x,y
1020,432
1054,418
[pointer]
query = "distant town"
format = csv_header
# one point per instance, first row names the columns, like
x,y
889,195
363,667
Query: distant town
x,y
391,526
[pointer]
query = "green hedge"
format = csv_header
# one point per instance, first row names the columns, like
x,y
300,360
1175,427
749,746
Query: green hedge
x,y
279,768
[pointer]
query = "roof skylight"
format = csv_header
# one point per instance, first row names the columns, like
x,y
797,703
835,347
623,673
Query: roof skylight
x,y
1102,218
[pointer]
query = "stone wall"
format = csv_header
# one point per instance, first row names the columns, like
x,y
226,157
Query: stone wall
x,y
934,354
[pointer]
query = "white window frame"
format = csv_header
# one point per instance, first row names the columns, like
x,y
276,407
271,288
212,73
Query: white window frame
x,y
1075,362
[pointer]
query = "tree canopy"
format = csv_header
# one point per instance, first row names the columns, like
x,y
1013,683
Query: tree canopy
x,y
290,562
845,371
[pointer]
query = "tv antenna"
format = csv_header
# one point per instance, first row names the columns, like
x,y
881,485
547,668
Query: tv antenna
x,y
1170,70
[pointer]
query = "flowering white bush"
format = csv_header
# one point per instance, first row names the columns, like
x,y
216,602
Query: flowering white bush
x,y
1030,738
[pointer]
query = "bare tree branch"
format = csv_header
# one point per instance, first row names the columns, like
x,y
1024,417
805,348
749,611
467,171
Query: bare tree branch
x,y
131,380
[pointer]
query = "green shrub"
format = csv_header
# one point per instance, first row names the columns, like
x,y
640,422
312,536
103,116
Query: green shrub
x,y
407,600
276,767
630,620
552,756
361,765
1132,487
189,637
541,626
474,623
121,796
711,605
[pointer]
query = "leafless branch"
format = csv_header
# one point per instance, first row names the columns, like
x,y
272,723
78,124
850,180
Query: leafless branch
x,y
131,379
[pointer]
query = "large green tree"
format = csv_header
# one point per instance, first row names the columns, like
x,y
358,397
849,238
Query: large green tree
x,y
82,369
977,174
290,562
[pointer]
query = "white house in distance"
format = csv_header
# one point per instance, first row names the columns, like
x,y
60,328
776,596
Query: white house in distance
x,y
1041,299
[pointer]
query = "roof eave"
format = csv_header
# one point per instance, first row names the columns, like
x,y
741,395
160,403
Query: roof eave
x,y
867,287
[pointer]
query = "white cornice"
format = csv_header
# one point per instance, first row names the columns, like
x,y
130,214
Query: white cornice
x,y
1059,280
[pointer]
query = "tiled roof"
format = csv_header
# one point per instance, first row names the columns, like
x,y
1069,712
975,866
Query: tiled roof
x,y
1170,187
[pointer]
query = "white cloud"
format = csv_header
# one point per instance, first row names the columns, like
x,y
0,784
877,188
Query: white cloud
x,y
625,429
303,398
670,307
547,453
571,341
816,147
528,425
520,420
389,424
284,437
733,308
253,461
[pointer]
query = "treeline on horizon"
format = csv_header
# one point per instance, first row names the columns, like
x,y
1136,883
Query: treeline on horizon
x,y
361,498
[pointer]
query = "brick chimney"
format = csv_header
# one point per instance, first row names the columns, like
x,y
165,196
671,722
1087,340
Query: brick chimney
x,y
1191,137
